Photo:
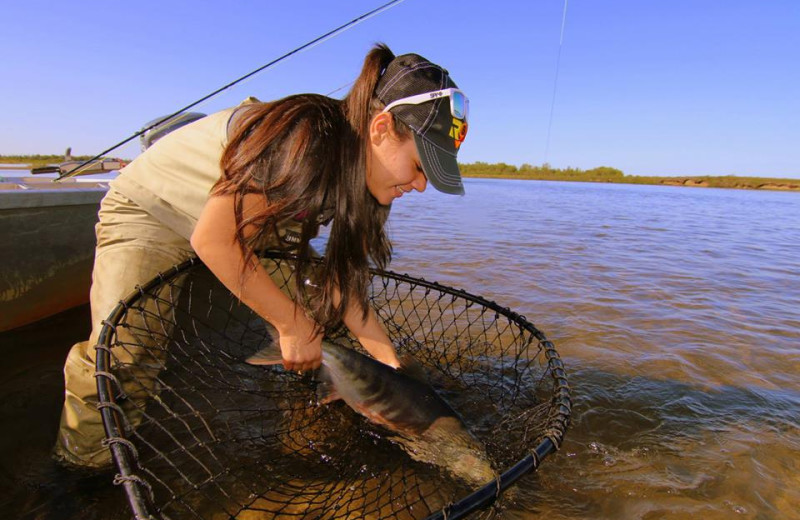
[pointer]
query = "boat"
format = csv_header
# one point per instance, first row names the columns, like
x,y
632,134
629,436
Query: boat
x,y
159,127
101,165
47,232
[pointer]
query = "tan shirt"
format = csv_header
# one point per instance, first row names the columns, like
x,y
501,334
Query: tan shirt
x,y
172,180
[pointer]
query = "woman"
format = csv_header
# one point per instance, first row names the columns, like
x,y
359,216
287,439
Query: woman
x,y
266,175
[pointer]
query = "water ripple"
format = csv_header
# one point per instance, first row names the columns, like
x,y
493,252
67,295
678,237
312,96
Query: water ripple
x,y
677,312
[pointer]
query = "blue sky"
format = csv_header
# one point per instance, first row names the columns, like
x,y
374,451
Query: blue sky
x,y
652,87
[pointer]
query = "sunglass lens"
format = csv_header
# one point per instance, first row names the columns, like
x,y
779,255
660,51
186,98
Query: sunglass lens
x,y
460,105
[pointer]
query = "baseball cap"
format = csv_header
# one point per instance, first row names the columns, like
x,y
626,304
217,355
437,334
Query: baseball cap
x,y
423,96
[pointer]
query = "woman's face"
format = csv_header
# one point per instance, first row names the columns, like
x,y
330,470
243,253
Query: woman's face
x,y
393,164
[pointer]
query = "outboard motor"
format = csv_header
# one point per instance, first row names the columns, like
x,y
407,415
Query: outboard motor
x,y
165,125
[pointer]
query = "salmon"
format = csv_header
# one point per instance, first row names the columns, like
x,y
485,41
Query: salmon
x,y
423,424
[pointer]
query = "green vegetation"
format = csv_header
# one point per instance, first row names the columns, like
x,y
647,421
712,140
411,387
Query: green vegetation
x,y
35,161
530,172
608,174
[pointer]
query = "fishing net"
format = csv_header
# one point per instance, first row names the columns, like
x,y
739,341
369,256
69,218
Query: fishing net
x,y
197,432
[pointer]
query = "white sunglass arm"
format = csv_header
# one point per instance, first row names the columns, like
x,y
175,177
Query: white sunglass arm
x,y
425,97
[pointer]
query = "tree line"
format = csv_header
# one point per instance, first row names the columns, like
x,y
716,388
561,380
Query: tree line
x,y
546,172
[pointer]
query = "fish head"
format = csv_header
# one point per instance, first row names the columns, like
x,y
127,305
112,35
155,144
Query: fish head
x,y
449,445
467,460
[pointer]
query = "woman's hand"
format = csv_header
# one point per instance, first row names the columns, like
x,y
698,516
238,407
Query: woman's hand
x,y
301,345
214,240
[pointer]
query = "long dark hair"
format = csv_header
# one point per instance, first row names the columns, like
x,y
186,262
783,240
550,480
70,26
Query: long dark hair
x,y
304,154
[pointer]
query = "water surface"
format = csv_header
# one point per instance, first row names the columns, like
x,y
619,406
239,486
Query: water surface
x,y
675,310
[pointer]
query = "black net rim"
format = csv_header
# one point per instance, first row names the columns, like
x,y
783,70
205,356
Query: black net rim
x,y
138,490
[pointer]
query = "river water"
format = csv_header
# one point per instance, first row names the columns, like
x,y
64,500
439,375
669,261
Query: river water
x,y
675,310
677,313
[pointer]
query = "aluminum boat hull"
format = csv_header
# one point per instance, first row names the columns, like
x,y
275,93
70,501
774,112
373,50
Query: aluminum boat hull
x,y
47,244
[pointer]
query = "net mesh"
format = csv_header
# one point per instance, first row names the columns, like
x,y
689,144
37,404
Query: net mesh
x,y
197,432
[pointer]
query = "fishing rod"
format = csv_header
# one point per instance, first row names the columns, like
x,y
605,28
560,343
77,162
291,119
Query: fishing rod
x,y
316,41
555,83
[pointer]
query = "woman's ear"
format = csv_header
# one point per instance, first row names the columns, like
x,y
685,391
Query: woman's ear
x,y
381,127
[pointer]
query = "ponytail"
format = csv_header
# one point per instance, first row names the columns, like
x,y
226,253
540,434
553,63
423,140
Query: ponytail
x,y
359,103
305,154
357,237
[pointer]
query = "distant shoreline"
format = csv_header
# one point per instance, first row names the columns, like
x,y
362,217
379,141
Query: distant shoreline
x,y
481,170
26,162
605,174
727,182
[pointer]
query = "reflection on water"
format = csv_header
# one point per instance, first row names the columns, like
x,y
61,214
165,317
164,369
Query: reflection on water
x,y
676,311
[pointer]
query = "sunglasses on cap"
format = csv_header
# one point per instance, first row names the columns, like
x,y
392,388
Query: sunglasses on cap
x,y
459,104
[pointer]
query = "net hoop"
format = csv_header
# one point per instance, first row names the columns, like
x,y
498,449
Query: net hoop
x,y
139,491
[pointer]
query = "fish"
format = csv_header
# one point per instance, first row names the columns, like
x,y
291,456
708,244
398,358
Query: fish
x,y
400,400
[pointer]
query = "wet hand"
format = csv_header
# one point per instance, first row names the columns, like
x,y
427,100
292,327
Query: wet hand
x,y
301,348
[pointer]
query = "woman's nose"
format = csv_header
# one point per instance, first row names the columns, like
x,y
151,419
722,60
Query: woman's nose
x,y
420,182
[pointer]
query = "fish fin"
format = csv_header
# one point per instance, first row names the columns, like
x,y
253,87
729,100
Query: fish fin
x,y
270,355
412,368
326,392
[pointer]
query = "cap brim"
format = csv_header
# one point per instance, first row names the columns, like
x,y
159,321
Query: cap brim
x,y
440,167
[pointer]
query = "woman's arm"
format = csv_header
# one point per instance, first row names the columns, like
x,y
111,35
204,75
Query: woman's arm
x,y
370,333
214,241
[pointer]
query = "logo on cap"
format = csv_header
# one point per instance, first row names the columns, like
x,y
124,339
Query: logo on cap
x,y
458,131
